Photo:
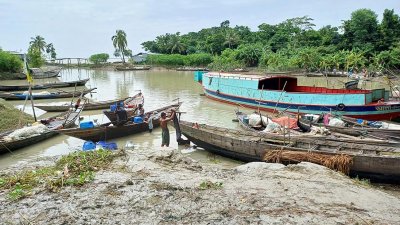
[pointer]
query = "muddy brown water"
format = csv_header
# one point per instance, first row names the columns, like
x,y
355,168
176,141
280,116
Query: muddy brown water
x,y
160,87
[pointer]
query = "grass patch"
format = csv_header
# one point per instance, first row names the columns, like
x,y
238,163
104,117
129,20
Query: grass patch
x,y
12,118
205,185
74,169
362,181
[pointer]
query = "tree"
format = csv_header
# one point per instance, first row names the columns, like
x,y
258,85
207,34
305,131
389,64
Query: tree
x,y
390,29
120,43
99,58
231,39
361,31
175,44
39,43
51,51
250,54
35,57
10,63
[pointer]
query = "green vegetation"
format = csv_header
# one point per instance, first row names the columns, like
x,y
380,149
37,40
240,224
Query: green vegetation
x,y
201,59
205,185
12,118
362,182
37,47
294,44
10,63
100,58
74,169
120,44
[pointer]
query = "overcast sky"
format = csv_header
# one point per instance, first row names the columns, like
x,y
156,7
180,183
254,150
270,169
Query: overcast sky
x,y
79,28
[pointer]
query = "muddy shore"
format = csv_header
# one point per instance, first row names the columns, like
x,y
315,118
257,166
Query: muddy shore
x,y
166,187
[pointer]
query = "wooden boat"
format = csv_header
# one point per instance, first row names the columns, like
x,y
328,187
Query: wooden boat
x,y
39,73
89,105
44,86
191,69
367,160
282,93
295,133
63,120
45,95
107,131
130,106
129,68
356,129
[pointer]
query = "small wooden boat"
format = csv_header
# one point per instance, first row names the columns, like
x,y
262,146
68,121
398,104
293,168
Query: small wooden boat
x,y
63,120
129,68
89,105
130,106
39,73
44,95
363,129
191,69
107,131
44,86
366,160
293,133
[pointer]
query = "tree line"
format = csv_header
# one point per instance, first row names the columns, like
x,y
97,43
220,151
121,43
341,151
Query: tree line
x,y
294,44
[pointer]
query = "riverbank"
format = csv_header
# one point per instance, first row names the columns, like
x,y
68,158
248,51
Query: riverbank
x,y
166,187
11,117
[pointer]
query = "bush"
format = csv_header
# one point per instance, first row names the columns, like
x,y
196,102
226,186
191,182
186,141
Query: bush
x,y
10,63
199,59
99,58
35,57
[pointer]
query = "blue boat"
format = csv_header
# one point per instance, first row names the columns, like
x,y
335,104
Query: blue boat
x,y
282,93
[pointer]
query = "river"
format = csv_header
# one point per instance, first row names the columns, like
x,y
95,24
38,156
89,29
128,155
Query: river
x,y
160,87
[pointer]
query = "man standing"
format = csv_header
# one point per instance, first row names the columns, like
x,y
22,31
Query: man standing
x,y
164,127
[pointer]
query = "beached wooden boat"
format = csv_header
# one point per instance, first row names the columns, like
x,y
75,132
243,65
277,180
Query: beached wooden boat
x,y
44,86
107,131
89,105
130,106
363,129
295,133
44,95
282,93
129,68
63,120
191,69
366,160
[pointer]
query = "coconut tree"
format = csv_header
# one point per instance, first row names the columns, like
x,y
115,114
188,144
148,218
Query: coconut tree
x,y
38,43
175,44
231,39
120,43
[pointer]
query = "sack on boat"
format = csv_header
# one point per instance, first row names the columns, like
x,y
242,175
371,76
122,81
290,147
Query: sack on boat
x,y
287,122
254,120
40,93
336,122
319,130
272,127
26,132
312,117
391,126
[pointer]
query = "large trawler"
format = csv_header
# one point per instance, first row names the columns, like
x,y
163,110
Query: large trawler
x,y
282,93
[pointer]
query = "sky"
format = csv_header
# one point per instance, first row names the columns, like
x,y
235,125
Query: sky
x,y
80,28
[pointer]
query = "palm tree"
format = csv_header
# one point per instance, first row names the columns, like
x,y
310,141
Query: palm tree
x,y
176,44
231,39
120,43
38,43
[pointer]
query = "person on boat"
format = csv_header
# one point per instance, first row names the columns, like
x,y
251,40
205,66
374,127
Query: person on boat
x,y
164,127
140,111
122,115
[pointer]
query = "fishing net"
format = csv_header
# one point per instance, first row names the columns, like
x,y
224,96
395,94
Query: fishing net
x,y
340,162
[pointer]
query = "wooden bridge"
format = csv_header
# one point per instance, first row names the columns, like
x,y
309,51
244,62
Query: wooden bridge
x,y
69,61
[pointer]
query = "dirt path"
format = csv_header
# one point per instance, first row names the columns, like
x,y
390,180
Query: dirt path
x,y
165,187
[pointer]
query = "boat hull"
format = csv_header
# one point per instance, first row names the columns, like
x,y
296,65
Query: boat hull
x,y
368,112
244,148
21,96
43,86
